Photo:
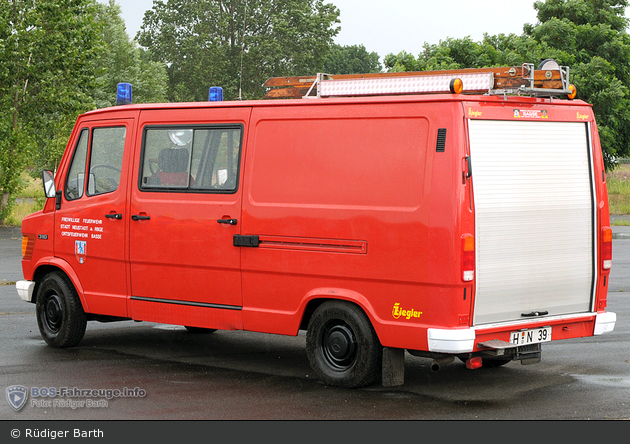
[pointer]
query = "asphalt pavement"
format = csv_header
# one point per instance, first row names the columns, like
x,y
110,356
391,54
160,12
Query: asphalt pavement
x,y
243,375
10,254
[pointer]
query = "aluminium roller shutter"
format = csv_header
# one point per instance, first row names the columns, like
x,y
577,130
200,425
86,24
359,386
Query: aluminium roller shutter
x,y
534,217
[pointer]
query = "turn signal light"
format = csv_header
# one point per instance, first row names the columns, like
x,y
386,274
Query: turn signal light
x,y
606,248
468,257
28,243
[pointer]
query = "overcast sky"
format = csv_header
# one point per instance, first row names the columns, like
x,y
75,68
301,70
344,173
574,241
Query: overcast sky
x,y
391,26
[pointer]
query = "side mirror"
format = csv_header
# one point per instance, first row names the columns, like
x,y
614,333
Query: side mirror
x,y
49,183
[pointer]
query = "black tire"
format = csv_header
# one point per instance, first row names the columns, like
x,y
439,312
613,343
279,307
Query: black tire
x,y
342,346
200,330
60,315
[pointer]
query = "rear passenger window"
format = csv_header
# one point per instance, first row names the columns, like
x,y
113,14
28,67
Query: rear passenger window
x,y
200,159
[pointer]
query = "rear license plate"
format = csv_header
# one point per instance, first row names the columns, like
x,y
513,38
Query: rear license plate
x,y
533,336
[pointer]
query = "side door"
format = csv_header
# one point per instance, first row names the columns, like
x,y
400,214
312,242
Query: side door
x,y
185,211
90,231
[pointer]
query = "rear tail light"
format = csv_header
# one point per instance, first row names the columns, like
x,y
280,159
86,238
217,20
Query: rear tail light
x,y
606,248
468,257
474,363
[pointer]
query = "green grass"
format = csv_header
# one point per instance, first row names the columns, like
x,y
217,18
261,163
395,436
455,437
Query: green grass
x,y
619,190
21,210
33,188
29,200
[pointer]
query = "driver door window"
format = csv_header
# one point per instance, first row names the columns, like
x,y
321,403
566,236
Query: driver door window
x,y
105,162
106,159
75,181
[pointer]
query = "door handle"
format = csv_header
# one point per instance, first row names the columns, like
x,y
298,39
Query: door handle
x,y
138,217
534,314
227,221
114,216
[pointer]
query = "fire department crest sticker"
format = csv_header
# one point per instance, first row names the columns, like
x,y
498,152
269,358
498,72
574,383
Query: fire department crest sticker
x,y
17,396
80,250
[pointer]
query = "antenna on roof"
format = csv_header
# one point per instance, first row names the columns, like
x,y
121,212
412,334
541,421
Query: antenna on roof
x,y
240,75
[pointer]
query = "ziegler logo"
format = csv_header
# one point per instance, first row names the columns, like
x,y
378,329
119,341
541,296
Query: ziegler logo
x,y
582,116
472,113
397,312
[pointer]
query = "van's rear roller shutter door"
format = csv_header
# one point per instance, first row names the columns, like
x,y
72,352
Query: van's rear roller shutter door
x,y
533,219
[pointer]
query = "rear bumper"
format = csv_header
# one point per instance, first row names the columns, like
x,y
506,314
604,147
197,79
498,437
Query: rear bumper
x,y
25,290
451,341
604,323
466,340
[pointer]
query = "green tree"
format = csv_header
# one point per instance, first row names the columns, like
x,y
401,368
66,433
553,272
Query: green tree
x,y
236,44
353,59
124,61
589,36
592,35
47,51
585,12
401,62
447,54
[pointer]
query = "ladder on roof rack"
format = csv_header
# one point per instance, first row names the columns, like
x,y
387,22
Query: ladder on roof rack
x,y
550,80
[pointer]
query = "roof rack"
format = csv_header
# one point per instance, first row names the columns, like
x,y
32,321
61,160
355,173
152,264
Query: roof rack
x,y
549,80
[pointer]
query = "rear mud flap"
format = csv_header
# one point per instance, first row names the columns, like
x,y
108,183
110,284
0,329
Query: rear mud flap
x,y
393,367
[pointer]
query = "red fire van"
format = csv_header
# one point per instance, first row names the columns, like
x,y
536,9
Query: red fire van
x,y
451,214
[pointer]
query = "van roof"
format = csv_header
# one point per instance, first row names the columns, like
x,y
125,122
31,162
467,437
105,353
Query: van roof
x,y
488,99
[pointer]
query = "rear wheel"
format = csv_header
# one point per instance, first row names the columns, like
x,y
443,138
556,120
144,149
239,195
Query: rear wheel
x,y
60,316
342,347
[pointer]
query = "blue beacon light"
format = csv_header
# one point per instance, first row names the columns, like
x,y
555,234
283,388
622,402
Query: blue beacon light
x,y
216,94
124,95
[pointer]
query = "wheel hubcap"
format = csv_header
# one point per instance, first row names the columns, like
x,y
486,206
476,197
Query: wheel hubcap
x,y
53,313
339,347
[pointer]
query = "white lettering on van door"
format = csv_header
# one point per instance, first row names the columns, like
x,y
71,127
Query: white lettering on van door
x,y
74,227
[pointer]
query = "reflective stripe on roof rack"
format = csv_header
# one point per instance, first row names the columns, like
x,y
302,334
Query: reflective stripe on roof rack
x,y
481,82
550,80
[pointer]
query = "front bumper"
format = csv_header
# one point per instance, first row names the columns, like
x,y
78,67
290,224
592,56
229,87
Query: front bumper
x,y
25,290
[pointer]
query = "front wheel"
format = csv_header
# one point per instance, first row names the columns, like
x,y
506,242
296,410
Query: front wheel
x,y
342,347
60,316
